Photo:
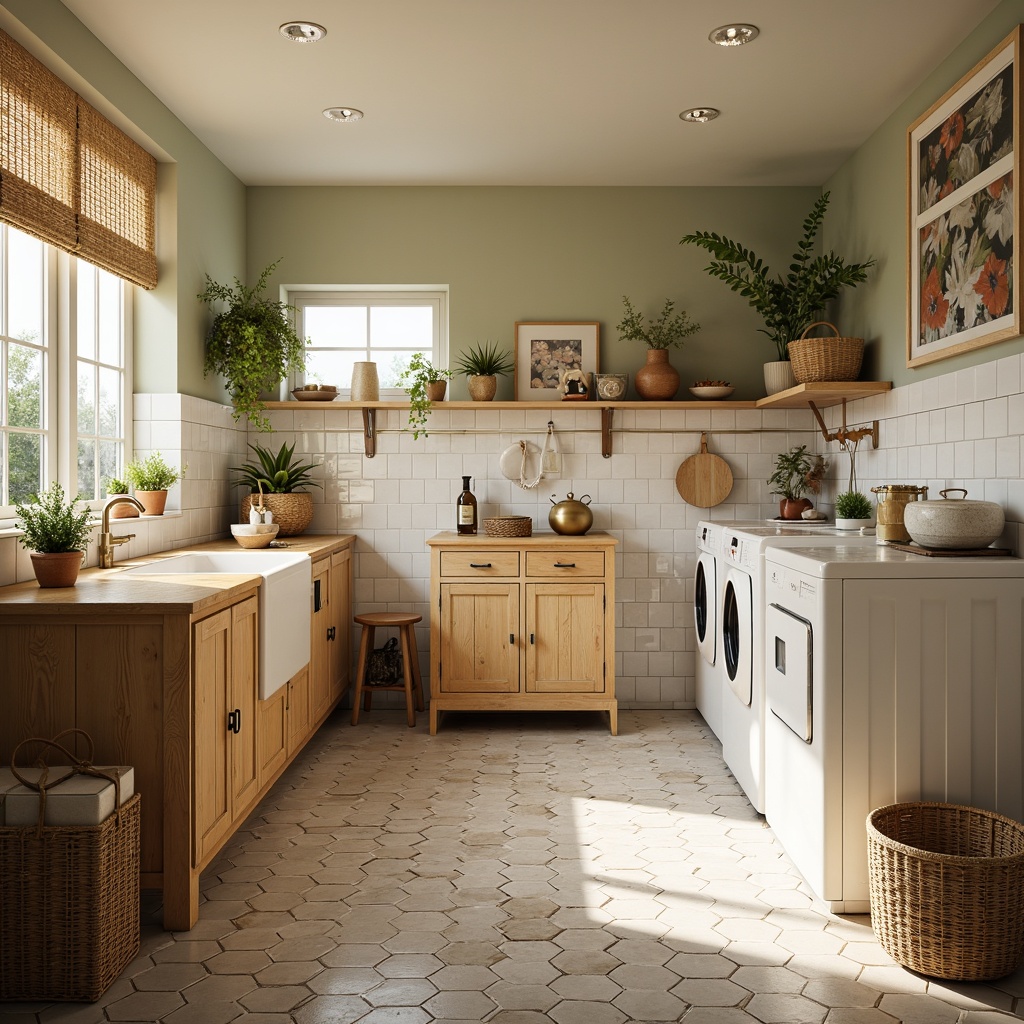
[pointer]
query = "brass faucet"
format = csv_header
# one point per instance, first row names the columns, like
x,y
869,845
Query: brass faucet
x,y
107,541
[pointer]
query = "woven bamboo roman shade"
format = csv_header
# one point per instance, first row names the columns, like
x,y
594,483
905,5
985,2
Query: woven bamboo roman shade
x,y
69,176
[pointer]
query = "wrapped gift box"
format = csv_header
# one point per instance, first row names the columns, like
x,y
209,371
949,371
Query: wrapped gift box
x,y
79,800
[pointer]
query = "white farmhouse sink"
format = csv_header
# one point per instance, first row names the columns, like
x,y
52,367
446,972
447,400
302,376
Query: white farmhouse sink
x,y
284,602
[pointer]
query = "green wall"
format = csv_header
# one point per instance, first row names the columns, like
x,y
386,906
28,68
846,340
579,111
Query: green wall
x,y
201,207
540,254
868,216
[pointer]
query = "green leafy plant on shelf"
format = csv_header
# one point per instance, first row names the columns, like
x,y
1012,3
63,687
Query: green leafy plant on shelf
x,y
854,505
787,305
52,525
153,473
415,378
485,360
115,485
667,331
251,344
274,473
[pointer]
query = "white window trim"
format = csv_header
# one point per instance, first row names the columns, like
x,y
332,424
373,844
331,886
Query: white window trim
x,y
365,294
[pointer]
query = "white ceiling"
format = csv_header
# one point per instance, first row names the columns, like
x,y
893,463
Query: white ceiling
x,y
532,92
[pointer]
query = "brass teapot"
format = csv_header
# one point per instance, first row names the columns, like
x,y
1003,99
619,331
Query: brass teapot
x,y
571,516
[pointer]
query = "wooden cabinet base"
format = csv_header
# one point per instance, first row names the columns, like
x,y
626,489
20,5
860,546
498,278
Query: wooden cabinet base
x,y
524,702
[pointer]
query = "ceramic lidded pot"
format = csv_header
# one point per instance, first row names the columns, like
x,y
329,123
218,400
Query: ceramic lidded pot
x,y
953,523
571,516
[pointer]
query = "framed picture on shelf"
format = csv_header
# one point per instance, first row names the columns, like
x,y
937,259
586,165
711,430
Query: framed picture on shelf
x,y
964,275
545,351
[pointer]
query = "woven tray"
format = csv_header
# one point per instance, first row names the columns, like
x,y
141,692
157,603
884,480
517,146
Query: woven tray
x,y
508,526
69,907
825,359
947,889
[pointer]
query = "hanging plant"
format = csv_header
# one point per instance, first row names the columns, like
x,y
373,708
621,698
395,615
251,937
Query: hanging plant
x,y
251,344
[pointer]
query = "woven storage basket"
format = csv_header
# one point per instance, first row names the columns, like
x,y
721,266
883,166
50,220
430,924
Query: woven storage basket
x,y
69,907
816,359
508,526
947,889
292,512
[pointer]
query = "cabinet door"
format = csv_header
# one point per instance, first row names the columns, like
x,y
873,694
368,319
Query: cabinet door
x,y
321,648
341,619
244,687
479,638
272,733
211,674
565,645
297,717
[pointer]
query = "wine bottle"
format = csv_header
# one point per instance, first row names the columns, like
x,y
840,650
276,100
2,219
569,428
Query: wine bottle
x,y
465,509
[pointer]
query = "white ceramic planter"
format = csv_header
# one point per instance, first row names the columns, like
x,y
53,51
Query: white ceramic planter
x,y
778,377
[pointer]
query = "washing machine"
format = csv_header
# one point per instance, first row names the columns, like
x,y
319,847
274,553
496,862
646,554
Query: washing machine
x,y
706,598
741,629
890,677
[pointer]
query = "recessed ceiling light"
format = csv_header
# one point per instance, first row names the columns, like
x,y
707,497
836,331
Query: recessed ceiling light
x,y
303,31
699,115
734,35
343,114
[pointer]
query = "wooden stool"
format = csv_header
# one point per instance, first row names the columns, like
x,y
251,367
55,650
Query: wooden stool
x,y
412,684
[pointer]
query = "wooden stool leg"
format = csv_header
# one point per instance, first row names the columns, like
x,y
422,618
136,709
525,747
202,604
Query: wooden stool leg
x,y
410,711
415,661
365,646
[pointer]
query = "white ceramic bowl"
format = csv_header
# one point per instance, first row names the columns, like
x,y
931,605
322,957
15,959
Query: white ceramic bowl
x,y
709,394
254,535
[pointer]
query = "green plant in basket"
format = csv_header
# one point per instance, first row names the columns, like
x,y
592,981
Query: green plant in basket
x,y
485,360
854,505
278,473
52,526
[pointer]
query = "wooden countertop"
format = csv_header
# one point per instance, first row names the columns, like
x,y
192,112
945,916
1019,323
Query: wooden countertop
x,y
111,591
544,539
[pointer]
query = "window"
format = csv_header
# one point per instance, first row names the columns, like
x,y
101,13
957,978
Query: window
x,y
63,390
382,325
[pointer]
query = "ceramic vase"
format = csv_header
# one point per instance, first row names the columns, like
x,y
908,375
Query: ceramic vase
x,y
658,379
482,388
365,383
778,377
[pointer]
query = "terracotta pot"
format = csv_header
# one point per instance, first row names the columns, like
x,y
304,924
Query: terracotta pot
x,y
657,380
56,569
152,501
778,377
292,512
482,389
435,390
792,508
123,509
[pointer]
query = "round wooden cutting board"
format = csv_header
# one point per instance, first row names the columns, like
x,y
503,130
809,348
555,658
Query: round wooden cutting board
x,y
704,480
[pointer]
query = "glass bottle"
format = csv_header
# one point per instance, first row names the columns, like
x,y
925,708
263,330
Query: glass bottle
x,y
465,509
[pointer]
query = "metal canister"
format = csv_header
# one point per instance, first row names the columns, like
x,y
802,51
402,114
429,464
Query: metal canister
x,y
892,500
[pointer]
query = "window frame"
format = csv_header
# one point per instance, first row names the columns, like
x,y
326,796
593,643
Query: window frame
x,y
435,295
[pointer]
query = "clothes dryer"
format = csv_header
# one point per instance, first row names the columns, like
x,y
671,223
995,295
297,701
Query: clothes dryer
x,y
706,600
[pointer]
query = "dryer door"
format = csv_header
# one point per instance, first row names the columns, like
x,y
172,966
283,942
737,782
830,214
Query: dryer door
x,y
788,668
738,633
705,606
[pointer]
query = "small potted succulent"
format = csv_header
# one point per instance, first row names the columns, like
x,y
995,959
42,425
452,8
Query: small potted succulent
x,y
854,511
57,534
117,488
658,380
482,365
275,481
425,384
151,477
797,473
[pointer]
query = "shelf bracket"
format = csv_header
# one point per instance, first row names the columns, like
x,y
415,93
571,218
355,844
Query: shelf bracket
x,y
369,432
844,433
606,432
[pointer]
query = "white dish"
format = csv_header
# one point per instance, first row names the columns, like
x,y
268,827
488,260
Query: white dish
x,y
254,535
709,394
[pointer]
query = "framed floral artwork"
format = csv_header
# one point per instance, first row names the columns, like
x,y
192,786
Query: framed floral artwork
x,y
545,352
964,275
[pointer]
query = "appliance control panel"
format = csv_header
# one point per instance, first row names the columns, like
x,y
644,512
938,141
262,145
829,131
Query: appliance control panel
x,y
790,588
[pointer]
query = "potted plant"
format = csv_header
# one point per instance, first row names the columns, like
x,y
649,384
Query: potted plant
x,y
789,304
854,511
658,380
482,365
797,472
151,477
117,488
252,344
57,534
277,479
425,384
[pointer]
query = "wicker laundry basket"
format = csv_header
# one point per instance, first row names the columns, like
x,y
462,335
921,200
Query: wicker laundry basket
x,y
508,526
825,359
947,889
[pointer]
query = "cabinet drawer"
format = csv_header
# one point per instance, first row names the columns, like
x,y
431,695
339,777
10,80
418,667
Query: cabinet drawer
x,y
559,564
479,563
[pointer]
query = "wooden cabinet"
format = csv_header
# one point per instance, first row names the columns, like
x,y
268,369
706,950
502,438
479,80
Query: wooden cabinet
x,y
330,664
224,672
522,624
